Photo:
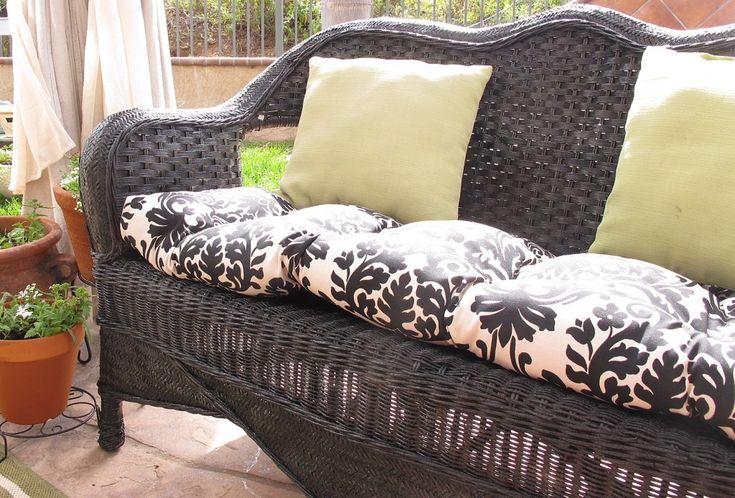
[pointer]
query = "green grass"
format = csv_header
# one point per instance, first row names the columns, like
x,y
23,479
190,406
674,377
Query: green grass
x,y
10,206
263,163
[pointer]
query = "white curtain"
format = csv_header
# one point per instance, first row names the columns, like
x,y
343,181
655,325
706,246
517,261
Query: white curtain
x,y
127,61
74,63
48,44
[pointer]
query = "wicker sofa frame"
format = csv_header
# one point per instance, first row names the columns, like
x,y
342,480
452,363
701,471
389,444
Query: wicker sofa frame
x,y
347,409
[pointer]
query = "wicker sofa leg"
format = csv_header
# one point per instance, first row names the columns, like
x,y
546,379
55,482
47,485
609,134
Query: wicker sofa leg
x,y
111,426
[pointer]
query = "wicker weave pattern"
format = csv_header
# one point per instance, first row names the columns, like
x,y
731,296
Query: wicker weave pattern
x,y
265,419
352,379
552,123
348,409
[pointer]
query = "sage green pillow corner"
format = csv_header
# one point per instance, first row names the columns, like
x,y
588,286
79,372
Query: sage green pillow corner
x,y
389,135
674,184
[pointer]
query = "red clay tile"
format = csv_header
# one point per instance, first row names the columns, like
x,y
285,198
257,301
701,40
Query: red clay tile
x,y
624,6
691,13
725,15
654,11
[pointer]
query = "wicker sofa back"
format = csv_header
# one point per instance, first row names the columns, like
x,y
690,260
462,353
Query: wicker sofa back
x,y
343,407
542,157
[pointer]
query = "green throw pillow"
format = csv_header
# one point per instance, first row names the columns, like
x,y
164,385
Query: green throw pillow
x,y
672,200
389,135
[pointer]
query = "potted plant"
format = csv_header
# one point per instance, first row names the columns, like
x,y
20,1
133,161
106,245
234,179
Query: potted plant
x,y
28,252
40,333
68,198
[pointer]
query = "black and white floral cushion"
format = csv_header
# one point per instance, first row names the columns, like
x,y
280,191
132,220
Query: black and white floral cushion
x,y
408,279
154,224
592,323
233,238
625,331
248,257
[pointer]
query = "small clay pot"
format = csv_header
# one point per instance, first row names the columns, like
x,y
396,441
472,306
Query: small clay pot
x,y
35,376
76,226
37,262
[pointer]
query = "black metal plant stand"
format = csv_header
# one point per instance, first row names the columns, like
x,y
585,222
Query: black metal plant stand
x,y
81,407
86,339
88,348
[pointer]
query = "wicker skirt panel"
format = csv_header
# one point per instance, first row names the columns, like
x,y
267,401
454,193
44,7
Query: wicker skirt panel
x,y
445,408
323,462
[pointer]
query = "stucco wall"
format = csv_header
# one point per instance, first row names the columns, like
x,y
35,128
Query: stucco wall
x,y
199,85
196,85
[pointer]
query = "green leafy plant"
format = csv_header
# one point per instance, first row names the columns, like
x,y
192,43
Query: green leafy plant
x,y
473,13
70,181
24,232
31,313
191,17
6,154
254,20
11,206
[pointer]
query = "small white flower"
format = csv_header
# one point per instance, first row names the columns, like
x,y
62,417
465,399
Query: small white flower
x,y
30,292
23,311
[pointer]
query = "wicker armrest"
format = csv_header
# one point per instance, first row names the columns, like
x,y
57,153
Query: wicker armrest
x,y
142,152
148,151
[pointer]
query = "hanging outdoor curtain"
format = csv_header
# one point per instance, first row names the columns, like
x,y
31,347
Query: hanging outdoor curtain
x,y
127,60
48,46
74,63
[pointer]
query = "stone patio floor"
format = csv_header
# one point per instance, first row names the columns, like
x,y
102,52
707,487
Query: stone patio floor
x,y
167,454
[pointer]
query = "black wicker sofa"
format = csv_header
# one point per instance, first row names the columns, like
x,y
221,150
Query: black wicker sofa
x,y
345,408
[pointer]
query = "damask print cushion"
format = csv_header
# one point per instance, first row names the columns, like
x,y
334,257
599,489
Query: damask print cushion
x,y
624,331
408,279
727,306
154,224
248,257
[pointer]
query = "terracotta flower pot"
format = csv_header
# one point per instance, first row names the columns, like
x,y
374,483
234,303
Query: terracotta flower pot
x,y
37,262
35,376
77,228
